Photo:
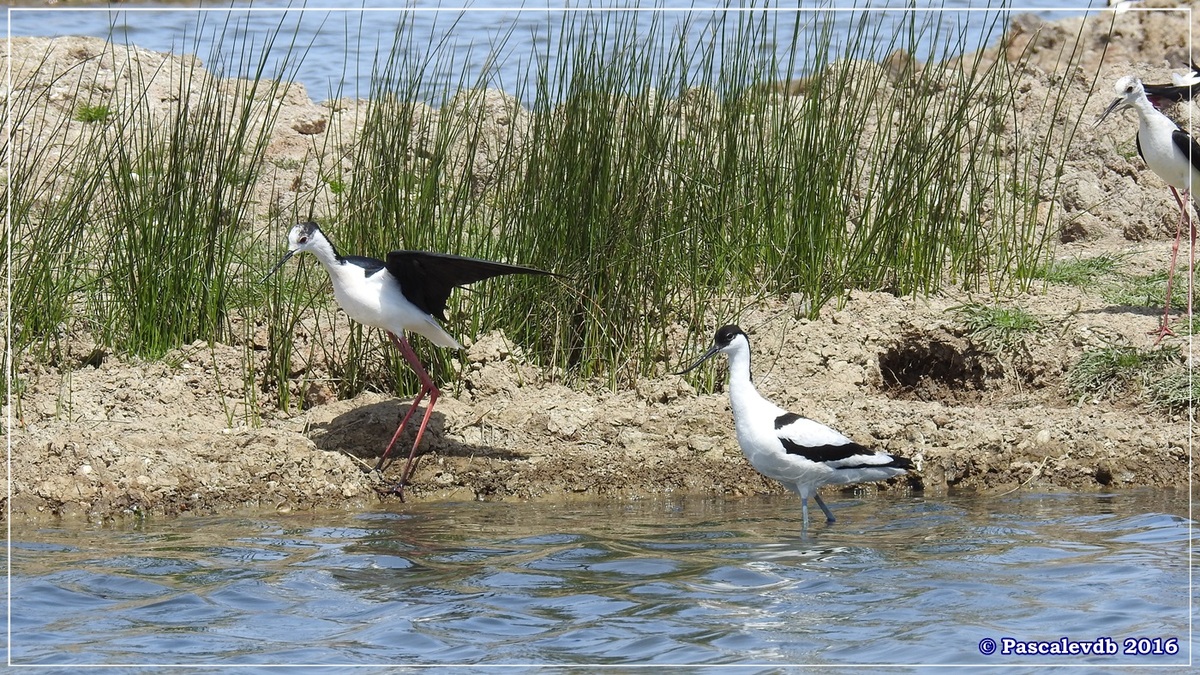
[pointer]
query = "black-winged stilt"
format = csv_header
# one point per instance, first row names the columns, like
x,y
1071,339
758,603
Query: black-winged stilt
x,y
408,292
1175,157
1182,88
798,452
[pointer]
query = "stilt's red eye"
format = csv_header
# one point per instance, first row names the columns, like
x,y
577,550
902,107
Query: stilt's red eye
x,y
303,240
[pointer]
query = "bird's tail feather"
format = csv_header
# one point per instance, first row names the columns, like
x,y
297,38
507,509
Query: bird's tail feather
x,y
437,335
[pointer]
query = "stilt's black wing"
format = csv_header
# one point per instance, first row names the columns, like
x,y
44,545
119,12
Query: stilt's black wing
x,y
1175,92
427,278
370,265
1188,145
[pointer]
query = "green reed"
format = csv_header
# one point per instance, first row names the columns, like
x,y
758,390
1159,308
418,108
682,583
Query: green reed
x,y
179,203
671,185
49,211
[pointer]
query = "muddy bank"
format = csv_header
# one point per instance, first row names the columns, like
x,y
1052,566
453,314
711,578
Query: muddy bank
x,y
97,435
155,438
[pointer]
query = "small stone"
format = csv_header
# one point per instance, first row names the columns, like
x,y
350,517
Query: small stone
x,y
310,127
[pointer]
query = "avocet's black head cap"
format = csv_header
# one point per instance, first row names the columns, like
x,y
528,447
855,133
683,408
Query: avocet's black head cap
x,y
726,334
724,337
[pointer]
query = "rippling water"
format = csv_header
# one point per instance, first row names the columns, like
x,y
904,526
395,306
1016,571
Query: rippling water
x,y
914,581
335,44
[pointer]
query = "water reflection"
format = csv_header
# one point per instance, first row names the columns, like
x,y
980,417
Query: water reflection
x,y
683,581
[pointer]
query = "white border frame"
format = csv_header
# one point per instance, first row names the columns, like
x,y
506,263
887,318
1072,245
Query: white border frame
x,y
9,368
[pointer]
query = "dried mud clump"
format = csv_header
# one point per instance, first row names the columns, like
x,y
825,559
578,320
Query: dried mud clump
x,y
937,367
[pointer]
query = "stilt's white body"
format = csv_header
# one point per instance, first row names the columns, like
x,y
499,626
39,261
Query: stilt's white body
x,y
1159,151
405,294
1175,157
373,297
798,452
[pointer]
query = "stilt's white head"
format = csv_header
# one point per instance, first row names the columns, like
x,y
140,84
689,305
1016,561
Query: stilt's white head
x,y
1128,90
302,237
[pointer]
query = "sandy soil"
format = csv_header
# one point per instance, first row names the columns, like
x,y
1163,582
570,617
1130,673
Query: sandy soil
x,y
98,436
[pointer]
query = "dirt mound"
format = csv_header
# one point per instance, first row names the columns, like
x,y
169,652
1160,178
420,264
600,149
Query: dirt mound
x,y
99,436
890,373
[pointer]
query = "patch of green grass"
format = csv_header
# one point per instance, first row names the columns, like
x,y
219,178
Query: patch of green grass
x,y
93,113
336,185
1081,272
1174,390
50,193
1118,369
1001,330
172,217
1150,290
1182,326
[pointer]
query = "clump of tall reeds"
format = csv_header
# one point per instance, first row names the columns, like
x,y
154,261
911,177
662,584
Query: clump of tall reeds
x,y
671,182
131,225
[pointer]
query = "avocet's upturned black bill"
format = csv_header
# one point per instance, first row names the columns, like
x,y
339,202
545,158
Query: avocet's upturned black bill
x,y
405,293
796,451
1175,157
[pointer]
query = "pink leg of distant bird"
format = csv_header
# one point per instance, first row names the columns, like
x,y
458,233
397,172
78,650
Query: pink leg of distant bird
x,y
1191,272
427,387
1165,329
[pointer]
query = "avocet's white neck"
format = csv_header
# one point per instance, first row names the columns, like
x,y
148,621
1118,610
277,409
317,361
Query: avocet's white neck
x,y
743,396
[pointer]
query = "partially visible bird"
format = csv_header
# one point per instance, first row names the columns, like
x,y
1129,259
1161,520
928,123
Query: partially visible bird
x,y
1182,88
1121,6
1175,157
796,451
407,292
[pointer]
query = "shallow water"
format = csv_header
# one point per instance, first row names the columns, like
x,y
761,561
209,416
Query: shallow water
x,y
687,581
338,42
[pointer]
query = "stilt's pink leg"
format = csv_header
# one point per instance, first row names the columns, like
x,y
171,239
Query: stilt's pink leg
x,y
1165,329
427,387
1191,259
379,466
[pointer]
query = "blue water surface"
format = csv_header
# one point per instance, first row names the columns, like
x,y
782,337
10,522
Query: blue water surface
x,y
897,580
341,49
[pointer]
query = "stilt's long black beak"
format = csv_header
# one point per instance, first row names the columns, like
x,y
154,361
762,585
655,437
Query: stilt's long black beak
x,y
707,355
1108,111
285,258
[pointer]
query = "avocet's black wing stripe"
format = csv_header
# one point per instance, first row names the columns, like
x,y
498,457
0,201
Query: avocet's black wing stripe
x,y
825,453
1188,145
427,278
785,419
